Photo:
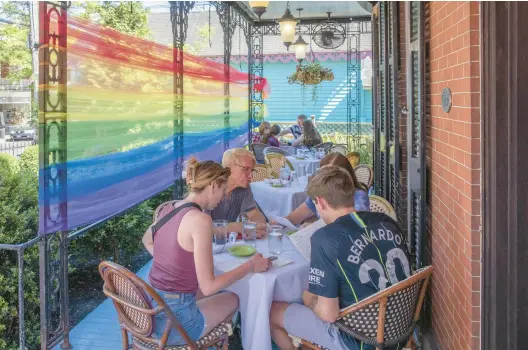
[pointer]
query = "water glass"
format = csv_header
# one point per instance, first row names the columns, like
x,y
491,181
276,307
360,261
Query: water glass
x,y
219,236
299,153
220,232
285,174
249,233
302,170
320,153
275,239
294,178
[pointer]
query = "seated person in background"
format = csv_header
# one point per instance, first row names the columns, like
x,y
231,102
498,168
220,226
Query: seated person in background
x,y
270,139
354,256
238,198
263,129
312,119
182,271
310,136
361,199
297,129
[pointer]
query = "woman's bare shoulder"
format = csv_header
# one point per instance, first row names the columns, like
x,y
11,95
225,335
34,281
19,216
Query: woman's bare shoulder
x,y
198,218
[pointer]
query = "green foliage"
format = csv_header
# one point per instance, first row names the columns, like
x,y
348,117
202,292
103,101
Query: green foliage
x,y
205,35
311,73
118,239
127,17
13,42
15,11
8,165
363,145
18,224
29,160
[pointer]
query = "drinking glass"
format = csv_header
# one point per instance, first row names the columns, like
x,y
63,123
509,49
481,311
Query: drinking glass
x,y
275,239
302,169
320,153
219,234
299,153
285,174
294,178
249,233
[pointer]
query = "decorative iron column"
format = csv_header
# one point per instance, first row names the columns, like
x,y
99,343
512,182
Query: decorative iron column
x,y
353,31
53,249
225,15
179,11
256,71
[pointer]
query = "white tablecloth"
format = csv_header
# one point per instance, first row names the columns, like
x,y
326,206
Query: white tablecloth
x,y
256,292
278,201
310,165
292,150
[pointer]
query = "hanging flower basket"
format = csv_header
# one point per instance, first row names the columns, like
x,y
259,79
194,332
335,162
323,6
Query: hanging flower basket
x,y
311,74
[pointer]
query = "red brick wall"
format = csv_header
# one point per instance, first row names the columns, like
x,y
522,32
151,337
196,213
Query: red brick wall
x,y
453,141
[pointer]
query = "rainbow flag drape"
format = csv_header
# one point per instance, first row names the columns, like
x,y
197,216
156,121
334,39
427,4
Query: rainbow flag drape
x,y
120,115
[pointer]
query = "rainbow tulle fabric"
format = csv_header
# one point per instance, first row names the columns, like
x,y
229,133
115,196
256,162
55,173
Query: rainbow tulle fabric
x,y
120,134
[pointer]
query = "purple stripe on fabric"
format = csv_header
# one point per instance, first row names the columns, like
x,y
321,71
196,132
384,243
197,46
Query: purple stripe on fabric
x,y
126,194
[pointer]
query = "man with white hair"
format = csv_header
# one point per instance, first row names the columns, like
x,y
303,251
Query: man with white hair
x,y
239,197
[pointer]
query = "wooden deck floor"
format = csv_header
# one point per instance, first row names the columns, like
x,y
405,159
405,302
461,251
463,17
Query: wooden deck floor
x,y
100,330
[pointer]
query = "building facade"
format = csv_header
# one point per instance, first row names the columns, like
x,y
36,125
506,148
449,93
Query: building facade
x,y
447,104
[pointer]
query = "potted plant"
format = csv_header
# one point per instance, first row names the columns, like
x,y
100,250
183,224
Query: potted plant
x,y
311,73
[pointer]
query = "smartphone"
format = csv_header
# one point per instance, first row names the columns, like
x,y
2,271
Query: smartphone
x,y
271,258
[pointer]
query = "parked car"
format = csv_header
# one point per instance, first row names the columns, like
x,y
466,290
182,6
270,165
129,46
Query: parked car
x,y
23,134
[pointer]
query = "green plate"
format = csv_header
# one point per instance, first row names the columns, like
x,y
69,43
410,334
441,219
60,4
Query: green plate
x,y
291,232
277,185
242,250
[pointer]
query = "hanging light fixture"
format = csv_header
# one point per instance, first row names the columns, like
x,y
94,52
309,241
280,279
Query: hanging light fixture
x,y
300,45
259,7
287,24
300,48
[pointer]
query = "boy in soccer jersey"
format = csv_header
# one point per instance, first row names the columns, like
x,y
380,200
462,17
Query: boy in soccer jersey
x,y
355,255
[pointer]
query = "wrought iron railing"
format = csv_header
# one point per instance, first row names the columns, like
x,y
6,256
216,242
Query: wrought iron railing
x,y
8,85
15,148
55,286
20,249
329,128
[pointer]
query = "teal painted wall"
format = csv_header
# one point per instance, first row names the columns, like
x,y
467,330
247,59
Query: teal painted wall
x,y
285,101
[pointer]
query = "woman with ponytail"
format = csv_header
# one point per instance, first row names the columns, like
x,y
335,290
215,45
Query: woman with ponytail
x,y
182,271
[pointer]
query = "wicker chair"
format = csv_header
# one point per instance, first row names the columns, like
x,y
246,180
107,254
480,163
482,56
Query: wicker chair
x,y
325,145
385,318
132,300
261,172
271,149
381,205
354,158
364,174
339,149
276,162
310,220
160,207
258,151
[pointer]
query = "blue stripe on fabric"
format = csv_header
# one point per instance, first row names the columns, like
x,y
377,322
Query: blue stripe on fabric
x,y
86,176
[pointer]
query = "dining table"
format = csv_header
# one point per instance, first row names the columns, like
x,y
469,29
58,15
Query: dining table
x,y
305,166
257,291
279,201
